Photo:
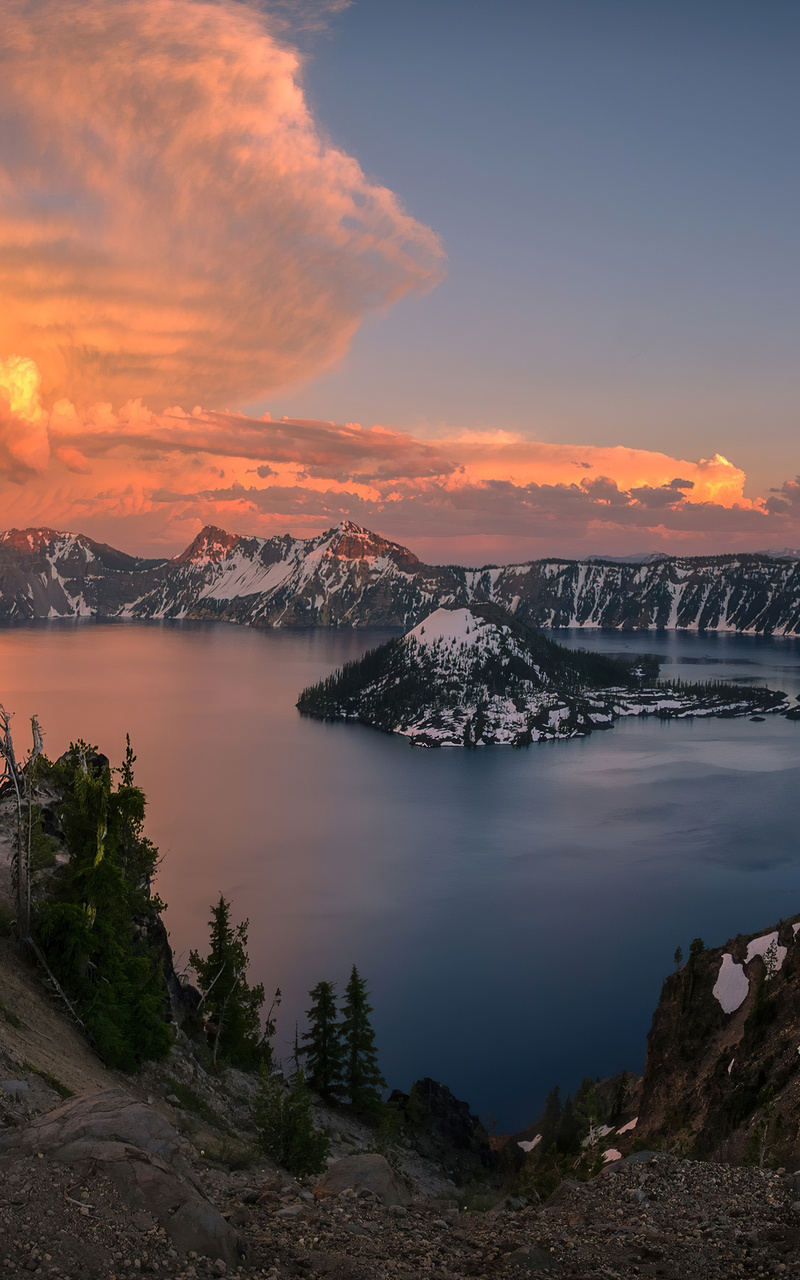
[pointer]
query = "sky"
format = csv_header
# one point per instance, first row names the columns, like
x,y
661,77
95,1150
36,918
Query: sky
x,y
495,278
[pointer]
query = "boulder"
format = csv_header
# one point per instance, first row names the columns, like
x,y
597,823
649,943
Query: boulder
x,y
364,1173
142,1154
530,1258
15,1088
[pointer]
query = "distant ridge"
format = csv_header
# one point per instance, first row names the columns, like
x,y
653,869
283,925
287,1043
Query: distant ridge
x,y
352,577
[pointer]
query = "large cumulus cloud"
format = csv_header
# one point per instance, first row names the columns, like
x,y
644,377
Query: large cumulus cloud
x,y
171,217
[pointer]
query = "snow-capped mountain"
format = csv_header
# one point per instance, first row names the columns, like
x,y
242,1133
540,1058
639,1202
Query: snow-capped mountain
x,y
349,576
474,677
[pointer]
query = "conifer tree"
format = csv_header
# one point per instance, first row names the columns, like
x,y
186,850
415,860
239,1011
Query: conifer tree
x,y
91,926
231,1006
551,1119
362,1077
322,1046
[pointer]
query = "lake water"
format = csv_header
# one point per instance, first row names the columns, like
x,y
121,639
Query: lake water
x,y
514,912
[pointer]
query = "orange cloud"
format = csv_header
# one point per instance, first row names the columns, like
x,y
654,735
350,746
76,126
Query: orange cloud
x,y
500,456
472,496
24,443
170,215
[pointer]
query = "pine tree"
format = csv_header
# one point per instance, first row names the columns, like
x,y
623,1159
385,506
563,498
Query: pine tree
x,y
551,1118
568,1130
231,1006
91,928
362,1077
322,1049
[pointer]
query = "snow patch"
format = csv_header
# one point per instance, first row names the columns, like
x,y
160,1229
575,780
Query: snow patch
x,y
760,946
626,1128
602,1131
453,626
529,1146
732,985
611,1154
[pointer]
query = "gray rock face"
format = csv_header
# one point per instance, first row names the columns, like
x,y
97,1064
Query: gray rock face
x,y
15,1088
365,1173
145,1159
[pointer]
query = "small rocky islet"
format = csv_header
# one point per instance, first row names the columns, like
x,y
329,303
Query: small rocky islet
x,y
468,677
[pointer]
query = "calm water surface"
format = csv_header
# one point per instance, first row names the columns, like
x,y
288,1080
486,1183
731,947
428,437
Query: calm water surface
x,y
515,912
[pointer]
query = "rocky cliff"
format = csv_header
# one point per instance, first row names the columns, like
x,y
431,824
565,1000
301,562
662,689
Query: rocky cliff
x,y
350,577
722,1079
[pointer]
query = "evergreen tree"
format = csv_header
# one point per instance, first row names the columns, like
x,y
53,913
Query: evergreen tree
x,y
551,1118
93,927
567,1140
322,1049
362,1077
232,1008
678,958
138,856
586,1106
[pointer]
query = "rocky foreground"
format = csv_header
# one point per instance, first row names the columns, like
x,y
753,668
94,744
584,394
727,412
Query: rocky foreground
x,y
67,1215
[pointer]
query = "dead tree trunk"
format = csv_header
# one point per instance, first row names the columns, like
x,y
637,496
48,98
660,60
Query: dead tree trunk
x,y
21,781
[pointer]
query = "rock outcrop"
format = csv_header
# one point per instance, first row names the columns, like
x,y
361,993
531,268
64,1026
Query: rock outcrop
x,y
366,1171
442,1128
722,1079
142,1155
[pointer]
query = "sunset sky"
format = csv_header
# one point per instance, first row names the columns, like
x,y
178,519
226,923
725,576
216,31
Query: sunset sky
x,y
495,278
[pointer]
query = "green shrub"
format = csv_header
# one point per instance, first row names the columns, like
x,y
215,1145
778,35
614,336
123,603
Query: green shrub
x,y
9,1016
191,1101
43,846
233,1155
284,1125
52,1082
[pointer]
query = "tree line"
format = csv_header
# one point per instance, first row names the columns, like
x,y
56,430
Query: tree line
x,y
339,1054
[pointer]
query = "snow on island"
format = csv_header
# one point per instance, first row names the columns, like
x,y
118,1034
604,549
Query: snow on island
x,y
475,676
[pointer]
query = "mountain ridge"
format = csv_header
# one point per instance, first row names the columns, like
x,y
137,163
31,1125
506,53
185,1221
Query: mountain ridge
x,y
349,576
